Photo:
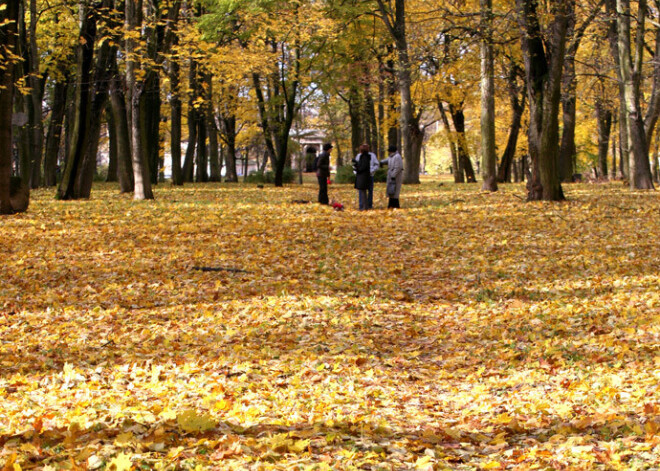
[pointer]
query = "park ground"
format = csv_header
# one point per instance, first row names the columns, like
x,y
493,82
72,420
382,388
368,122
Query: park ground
x,y
227,327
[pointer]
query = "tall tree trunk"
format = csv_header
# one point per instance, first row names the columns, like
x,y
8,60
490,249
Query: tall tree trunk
x,y
396,24
567,151
175,122
189,162
543,71
35,100
111,177
120,119
488,155
355,116
567,148
517,109
202,156
99,99
212,131
612,35
78,131
277,123
229,135
613,172
653,109
604,123
142,189
8,40
656,161
464,161
457,169
54,135
372,123
151,105
640,170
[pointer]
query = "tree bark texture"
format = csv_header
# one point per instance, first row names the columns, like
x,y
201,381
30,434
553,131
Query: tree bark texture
x,y
8,40
604,123
54,134
464,161
175,122
543,70
142,188
488,152
120,119
517,110
78,131
640,170
189,162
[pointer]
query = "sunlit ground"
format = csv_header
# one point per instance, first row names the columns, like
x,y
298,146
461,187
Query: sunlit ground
x,y
226,327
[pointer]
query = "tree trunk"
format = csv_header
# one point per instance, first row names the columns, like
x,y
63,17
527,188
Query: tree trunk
x,y
78,132
613,172
142,188
36,82
612,35
355,116
202,156
517,108
189,162
120,119
276,123
568,101
175,122
653,109
488,155
150,106
8,31
212,131
111,177
229,133
457,170
54,135
604,123
640,170
464,162
99,100
543,71
396,24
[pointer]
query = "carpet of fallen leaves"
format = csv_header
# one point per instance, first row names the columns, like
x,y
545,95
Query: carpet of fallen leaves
x,y
466,331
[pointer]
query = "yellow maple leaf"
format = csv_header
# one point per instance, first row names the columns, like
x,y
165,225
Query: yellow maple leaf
x,y
121,462
191,421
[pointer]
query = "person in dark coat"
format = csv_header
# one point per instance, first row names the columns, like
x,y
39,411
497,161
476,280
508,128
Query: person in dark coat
x,y
323,173
362,166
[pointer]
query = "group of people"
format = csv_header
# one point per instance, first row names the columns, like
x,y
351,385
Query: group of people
x,y
365,165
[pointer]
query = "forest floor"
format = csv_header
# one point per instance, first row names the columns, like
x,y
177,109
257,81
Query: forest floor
x,y
467,331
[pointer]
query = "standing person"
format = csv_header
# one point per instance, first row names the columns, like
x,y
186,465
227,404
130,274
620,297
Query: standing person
x,y
323,173
374,165
394,176
362,168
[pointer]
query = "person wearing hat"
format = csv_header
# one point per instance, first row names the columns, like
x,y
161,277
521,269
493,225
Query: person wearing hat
x,y
394,164
323,173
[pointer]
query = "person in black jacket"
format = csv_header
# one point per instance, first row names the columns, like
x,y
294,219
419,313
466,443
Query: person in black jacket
x,y
323,173
362,167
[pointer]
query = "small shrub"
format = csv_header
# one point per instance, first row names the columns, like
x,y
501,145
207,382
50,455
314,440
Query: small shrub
x,y
288,176
255,177
101,173
345,174
380,175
